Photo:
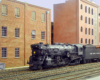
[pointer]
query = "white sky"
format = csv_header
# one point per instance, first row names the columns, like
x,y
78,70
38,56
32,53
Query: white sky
x,y
49,3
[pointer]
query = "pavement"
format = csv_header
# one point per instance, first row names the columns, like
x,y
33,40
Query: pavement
x,y
15,68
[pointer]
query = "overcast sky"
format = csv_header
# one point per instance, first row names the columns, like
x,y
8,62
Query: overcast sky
x,y
49,3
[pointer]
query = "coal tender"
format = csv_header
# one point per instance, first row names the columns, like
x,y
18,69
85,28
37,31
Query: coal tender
x,y
59,54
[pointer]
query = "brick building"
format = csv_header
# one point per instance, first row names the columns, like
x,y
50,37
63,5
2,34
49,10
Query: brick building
x,y
21,24
99,26
76,21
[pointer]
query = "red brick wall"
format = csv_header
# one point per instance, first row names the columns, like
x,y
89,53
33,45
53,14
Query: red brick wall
x,y
10,42
36,25
25,23
65,22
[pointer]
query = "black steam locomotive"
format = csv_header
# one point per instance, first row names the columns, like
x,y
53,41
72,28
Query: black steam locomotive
x,y
59,54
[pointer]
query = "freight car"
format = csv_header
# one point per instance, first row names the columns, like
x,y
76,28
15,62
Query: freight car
x,y
59,54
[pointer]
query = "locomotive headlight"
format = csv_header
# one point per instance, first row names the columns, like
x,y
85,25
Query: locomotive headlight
x,y
34,52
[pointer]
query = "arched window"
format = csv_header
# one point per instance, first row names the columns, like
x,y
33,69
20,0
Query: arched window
x,y
89,41
89,10
92,41
92,31
81,6
81,17
81,29
81,40
86,9
92,11
89,31
89,20
92,21
86,41
85,19
85,30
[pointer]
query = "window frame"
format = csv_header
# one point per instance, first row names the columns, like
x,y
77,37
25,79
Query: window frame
x,y
92,21
89,21
89,41
92,41
86,31
92,32
81,40
4,31
33,15
2,52
85,19
92,11
43,35
17,14
89,10
85,41
85,9
43,15
81,29
6,13
81,6
89,31
33,36
17,34
18,55
81,18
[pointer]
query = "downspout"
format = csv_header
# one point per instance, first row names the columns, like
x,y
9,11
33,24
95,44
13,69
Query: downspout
x,y
47,28
24,32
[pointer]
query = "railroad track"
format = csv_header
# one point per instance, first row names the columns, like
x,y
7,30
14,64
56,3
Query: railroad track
x,y
27,74
79,75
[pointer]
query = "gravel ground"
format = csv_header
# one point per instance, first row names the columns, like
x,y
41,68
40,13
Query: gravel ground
x,y
26,74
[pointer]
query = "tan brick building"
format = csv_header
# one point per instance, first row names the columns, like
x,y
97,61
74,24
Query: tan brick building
x,y
76,21
21,24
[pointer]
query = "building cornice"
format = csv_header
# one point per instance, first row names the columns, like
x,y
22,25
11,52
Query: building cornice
x,y
90,3
28,4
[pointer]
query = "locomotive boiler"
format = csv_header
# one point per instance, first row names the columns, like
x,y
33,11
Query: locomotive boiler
x,y
59,54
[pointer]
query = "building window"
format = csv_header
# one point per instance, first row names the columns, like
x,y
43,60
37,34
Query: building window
x,y
17,12
85,19
43,17
81,17
89,10
89,20
81,40
43,35
92,31
92,41
33,15
92,11
86,9
81,29
4,52
89,31
16,52
4,9
33,34
16,32
86,41
92,21
85,30
89,41
81,6
4,31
